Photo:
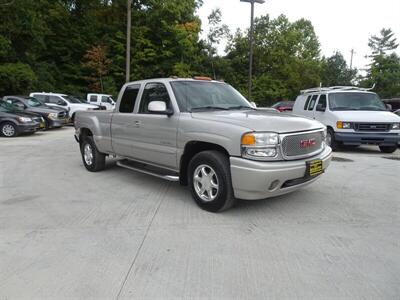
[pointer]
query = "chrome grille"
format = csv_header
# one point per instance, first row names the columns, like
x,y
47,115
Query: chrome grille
x,y
372,127
302,145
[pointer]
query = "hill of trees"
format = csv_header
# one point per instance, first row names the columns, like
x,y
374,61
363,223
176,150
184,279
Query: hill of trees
x,y
77,46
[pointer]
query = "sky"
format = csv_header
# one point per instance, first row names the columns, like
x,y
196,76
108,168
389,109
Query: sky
x,y
340,25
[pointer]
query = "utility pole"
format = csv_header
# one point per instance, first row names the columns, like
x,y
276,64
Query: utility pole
x,y
351,59
128,40
251,43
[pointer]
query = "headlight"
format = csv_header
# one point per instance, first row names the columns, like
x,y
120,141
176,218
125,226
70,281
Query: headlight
x,y
343,125
260,146
396,126
52,116
24,120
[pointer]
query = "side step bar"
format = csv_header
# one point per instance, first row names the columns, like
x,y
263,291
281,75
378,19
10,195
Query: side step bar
x,y
147,169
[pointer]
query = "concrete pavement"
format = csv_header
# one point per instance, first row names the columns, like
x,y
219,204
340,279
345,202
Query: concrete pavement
x,y
117,234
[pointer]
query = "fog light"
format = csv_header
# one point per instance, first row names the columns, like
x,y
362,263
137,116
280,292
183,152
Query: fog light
x,y
274,185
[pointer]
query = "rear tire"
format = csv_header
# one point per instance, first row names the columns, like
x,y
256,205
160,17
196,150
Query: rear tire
x,y
210,182
331,141
8,129
93,160
388,149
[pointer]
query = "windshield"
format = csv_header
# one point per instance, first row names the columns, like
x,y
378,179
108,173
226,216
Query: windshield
x,y
72,99
196,95
355,101
33,102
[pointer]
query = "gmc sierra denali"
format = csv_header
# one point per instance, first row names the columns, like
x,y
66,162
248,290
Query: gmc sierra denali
x,y
204,134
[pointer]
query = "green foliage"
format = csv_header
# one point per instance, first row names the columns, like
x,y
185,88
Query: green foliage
x,y
336,72
16,78
383,43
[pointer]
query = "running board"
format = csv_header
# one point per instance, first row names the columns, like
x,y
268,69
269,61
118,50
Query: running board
x,y
148,169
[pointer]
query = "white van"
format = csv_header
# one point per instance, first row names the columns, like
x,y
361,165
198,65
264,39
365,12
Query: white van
x,y
353,116
101,99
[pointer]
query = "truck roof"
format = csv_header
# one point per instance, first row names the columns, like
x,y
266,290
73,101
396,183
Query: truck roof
x,y
172,79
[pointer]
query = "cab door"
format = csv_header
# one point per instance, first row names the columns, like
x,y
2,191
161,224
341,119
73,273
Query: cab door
x,y
123,126
155,137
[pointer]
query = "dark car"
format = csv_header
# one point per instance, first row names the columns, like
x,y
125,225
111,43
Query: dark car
x,y
14,122
283,106
53,118
394,104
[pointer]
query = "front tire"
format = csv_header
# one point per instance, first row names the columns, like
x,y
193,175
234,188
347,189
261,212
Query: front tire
x,y
331,141
210,181
388,149
8,129
93,160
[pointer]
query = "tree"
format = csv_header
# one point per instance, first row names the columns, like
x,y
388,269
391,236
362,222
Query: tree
x,y
383,43
384,71
216,33
96,61
335,71
286,59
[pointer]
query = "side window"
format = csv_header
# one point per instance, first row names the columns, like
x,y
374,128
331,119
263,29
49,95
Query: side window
x,y
105,99
154,92
128,99
307,101
312,102
39,97
321,103
57,100
93,98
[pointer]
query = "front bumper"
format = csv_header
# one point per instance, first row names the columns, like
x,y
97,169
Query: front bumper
x,y
28,128
251,180
381,139
57,123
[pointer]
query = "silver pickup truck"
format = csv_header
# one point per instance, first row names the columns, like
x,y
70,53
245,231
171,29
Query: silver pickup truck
x,y
204,134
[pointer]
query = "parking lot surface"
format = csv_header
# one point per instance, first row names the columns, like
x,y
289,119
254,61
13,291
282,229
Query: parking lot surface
x,y
117,234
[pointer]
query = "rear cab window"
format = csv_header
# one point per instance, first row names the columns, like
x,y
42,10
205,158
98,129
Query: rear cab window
x,y
128,99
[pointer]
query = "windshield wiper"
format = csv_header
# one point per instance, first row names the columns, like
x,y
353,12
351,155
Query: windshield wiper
x,y
241,107
343,108
372,108
208,107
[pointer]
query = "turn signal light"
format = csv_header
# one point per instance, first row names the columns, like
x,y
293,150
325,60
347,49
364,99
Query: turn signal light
x,y
248,139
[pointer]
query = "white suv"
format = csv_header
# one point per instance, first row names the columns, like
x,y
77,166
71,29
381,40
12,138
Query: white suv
x,y
70,103
353,116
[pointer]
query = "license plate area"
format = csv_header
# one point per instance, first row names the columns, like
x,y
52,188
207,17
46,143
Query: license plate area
x,y
314,168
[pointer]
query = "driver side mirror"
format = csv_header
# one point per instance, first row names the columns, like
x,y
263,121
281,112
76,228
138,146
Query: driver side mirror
x,y
253,104
320,107
62,103
160,108
388,107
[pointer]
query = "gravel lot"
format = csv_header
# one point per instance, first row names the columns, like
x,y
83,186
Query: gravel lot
x,y
68,233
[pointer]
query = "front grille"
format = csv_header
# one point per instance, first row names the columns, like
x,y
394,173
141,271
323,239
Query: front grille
x,y
62,115
375,127
302,145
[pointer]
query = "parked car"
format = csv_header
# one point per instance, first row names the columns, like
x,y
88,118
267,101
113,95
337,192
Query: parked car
x,y
13,122
354,116
204,134
284,106
64,101
101,99
53,118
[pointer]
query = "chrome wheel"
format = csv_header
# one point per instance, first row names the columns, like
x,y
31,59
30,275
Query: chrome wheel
x,y
8,130
205,183
88,154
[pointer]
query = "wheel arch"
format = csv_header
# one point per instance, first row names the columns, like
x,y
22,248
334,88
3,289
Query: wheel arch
x,y
190,150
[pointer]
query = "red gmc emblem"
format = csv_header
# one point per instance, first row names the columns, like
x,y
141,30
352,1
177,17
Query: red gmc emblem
x,y
307,143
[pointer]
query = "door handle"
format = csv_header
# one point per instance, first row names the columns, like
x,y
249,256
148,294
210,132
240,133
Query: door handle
x,y
137,123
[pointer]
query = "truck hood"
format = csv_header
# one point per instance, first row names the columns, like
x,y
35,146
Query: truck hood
x,y
258,120
366,116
